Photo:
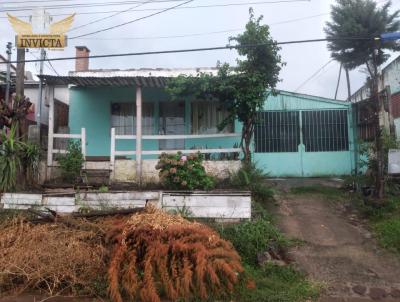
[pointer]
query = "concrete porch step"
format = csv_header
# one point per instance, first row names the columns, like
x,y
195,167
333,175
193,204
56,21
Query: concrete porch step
x,y
96,176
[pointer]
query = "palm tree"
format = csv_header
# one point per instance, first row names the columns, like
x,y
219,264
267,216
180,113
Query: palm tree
x,y
351,33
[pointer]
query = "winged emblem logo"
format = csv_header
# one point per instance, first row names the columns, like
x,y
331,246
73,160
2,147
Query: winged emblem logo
x,y
50,36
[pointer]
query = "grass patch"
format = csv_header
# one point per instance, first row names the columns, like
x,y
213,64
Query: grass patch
x,y
252,237
271,283
379,211
384,218
388,233
329,192
277,284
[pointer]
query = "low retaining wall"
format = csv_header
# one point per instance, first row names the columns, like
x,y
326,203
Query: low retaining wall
x,y
125,170
220,205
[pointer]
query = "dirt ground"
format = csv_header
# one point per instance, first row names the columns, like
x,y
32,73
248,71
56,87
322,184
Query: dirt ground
x,y
337,249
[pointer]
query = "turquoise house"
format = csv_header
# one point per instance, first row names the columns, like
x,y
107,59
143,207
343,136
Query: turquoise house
x,y
296,135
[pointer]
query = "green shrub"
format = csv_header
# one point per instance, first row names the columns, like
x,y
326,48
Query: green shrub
x,y
251,178
71,163
10,160
376,211
388,233
277,284
30,160
180,172
253,237
103,189
18,160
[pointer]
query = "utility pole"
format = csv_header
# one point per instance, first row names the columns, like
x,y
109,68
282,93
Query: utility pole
x,y
8,77
348,84
40,97
338,82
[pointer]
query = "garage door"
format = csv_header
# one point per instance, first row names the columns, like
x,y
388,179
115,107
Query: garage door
x,y
303,143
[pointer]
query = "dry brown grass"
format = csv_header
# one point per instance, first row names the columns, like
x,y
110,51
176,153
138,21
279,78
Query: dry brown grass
x,y
145,257
49,257
160,254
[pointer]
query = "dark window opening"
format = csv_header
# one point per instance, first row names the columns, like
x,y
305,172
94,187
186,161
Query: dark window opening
x,y
325,130
277,132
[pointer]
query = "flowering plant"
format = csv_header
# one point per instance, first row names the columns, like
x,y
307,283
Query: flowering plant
x,y
181,172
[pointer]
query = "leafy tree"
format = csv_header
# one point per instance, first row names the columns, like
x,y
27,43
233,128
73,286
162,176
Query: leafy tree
x,y
365,20
354,25
244,88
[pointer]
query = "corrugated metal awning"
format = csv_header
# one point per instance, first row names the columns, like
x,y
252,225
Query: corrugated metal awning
x,y
150,81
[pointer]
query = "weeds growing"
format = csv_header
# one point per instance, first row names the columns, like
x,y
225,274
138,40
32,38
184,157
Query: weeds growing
x,y
277,284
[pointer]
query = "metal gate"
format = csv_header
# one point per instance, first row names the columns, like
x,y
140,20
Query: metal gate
x,y
303,143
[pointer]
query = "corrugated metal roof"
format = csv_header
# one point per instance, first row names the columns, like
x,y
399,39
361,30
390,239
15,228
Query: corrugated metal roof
x,y
145,77
144,72
157,82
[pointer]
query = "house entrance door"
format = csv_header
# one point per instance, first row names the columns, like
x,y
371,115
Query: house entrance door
x,y
172,122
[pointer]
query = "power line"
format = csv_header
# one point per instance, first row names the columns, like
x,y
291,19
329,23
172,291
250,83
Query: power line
x,y
52,67
155,9
135,10
34,1
132,21
227,47
110,16
313,75
153,14
150,1
202,33
82,5
47,63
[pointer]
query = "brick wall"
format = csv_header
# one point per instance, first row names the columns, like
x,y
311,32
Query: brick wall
x,y
82,64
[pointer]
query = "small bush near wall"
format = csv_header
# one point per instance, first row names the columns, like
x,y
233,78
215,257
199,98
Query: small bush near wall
x,y
181,172
251,178
71,163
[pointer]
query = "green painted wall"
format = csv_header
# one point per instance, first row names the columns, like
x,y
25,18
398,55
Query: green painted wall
x,y
90,108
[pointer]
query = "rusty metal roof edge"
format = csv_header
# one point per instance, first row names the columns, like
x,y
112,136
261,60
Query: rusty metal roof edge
x,y
90,81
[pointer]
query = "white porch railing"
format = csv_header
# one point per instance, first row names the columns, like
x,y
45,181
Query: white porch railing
x,y
115,137
52,136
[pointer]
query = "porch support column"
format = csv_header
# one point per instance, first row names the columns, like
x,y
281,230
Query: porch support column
x,y
139,134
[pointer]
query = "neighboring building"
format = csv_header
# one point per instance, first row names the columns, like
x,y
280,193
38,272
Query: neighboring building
x,y
3,76
297,135
389,78
60,94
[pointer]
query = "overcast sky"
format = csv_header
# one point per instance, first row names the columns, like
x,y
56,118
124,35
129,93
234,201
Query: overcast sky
x,y
305,20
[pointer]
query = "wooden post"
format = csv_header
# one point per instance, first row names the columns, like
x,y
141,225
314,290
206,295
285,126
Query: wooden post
x,y
112,153
19,89
139,134
83,141
19,83
8,79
